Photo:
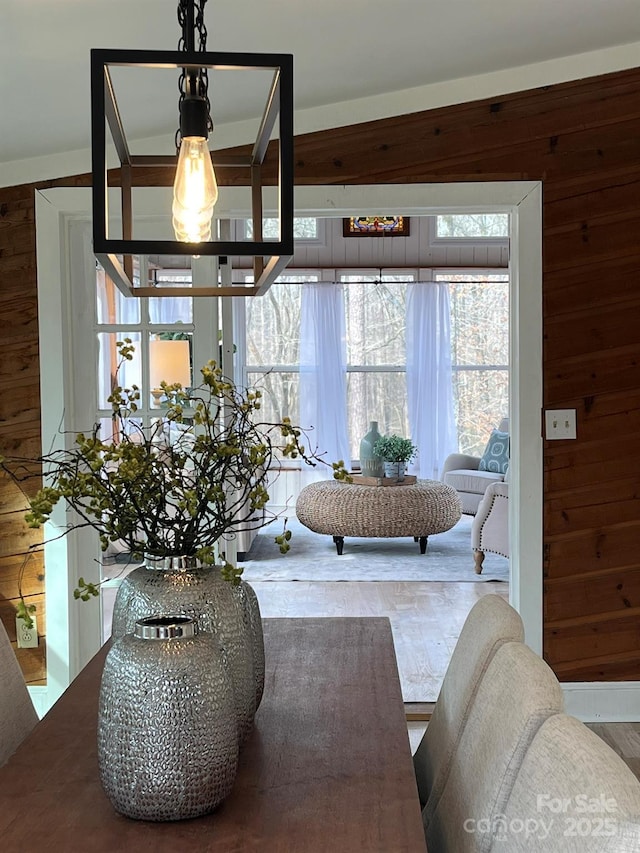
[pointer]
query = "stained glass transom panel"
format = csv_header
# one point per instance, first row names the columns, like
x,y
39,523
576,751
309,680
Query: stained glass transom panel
x,y
376,226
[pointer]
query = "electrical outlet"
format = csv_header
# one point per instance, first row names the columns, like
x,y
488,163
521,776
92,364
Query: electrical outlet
x,y
27,637
560,423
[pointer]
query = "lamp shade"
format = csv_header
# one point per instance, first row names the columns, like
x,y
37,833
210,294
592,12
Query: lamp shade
x,y
169,361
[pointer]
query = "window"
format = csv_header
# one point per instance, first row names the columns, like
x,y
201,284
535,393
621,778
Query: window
x,y
479,353
472,226
376,226
304,228
273,346
145,322
376,355
375,324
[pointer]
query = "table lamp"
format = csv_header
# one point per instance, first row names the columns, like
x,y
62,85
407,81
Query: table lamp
x,y
169,361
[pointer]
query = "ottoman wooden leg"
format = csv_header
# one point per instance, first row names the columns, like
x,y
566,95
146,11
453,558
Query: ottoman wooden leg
x,y
423,544
339,540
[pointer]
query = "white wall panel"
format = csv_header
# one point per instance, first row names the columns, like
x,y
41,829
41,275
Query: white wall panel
x,y
373,252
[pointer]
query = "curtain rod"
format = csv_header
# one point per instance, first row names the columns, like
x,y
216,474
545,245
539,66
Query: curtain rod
x,y
389,281
380,280
394,267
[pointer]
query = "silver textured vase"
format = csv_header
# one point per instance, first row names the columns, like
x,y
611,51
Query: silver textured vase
x,y
249,599
167,733
178,586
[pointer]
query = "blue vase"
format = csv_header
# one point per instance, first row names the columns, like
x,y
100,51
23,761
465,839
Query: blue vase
x,y
370,464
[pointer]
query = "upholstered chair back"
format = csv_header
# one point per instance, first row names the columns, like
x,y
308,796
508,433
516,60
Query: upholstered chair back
x,y
17,714
572,792
490,623
516,694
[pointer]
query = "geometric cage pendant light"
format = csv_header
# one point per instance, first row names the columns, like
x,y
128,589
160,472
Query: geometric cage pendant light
x,y
195,168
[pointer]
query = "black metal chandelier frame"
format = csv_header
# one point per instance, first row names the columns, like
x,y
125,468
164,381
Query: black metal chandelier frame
x,y
270,257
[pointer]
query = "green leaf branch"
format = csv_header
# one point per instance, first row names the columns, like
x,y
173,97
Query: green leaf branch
x,y
170,498
24,611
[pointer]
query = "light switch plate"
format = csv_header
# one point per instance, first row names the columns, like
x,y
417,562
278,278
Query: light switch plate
x,y
27,637
560,423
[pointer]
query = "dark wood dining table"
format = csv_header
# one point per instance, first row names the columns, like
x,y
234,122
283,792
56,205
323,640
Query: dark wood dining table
x,y
327,766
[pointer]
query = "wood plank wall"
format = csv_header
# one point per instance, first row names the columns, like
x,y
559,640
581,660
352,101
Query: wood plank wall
x,y
19,415
582,139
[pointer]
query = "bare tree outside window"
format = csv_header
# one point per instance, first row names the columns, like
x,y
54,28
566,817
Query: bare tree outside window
x,y
375,326
304,228
472,225
479,355
376,355
273,347
376,352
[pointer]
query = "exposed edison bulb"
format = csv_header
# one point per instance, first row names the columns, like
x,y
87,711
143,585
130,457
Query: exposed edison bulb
x,y
195,191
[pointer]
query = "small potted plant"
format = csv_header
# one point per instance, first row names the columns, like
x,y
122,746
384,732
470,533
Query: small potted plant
x,y
395,452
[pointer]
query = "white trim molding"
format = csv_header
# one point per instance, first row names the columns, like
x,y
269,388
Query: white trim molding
x,y
67,623
523,200
603,701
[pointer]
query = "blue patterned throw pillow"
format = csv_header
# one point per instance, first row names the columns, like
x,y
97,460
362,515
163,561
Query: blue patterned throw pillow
x,y
496,454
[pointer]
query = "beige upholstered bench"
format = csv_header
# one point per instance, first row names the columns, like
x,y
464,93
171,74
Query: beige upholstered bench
x,y
344,509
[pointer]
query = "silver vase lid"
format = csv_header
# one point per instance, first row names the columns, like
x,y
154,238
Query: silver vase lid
x,y
165,628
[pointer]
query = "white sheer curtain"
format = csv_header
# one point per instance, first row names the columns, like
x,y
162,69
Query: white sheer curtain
x,y
323,374
170,309
429,376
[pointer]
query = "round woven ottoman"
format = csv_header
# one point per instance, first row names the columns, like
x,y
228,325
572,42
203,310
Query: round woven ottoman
x,y
345,509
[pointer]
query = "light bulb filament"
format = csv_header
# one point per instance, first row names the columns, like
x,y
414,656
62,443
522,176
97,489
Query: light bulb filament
x,y
195,191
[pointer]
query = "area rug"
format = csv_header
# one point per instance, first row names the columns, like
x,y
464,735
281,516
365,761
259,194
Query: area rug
x,y
313,557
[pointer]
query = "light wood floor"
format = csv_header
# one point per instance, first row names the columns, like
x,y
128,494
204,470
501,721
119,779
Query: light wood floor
x,y
624,738
426,618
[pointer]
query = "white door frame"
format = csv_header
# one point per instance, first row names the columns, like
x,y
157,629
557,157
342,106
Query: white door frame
x,y
73,629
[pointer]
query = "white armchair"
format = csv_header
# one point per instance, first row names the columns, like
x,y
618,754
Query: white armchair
x,y
462,472
490,528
